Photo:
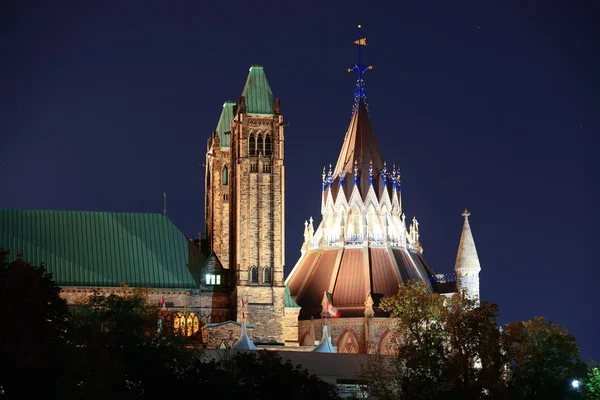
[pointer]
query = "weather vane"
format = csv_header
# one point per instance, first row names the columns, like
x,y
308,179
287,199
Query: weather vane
x,y
359,68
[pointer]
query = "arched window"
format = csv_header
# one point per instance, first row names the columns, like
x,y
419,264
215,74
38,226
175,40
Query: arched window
x,y
267,145
225,176
267,275
259,144
254,274
186,324
251,145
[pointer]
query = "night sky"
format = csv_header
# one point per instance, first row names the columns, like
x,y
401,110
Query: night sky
x,y
489,105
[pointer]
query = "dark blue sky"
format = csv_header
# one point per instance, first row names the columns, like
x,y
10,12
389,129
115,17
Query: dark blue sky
x,y
487,105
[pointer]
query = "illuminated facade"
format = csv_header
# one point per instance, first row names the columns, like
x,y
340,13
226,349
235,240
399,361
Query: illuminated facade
x,y
208,289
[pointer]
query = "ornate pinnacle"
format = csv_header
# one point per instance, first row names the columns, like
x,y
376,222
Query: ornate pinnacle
x,y
355,172
466,213
359,68
371,173
324,178
384,173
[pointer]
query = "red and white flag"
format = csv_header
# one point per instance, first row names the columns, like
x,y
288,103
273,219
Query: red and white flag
x,y
333,312
162,301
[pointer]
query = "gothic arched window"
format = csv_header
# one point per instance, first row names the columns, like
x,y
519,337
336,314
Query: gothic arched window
x,y
267,145
186,324
267,275
259,144
251,145
254,274
225,176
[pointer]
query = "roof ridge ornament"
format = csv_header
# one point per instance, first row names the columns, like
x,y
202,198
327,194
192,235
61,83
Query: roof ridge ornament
x,y
359,68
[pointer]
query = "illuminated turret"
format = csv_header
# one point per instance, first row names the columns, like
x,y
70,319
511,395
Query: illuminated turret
x,y
467,265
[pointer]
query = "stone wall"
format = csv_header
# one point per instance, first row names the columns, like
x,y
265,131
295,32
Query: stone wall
x,y
369,332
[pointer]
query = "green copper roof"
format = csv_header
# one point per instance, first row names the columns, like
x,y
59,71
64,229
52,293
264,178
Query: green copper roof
x,y
259,99
288,300
224,124
102,249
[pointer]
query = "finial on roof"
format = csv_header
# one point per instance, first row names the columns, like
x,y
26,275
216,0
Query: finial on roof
x,y
324,175
360,94
384,173
355,172
466,213
371,173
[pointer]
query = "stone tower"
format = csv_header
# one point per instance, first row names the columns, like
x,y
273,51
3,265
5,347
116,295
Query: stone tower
x,y
467,265
245,205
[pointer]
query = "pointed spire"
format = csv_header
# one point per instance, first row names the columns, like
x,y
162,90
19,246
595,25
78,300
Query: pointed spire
x,y
257,92
244,342
360,95
467,257
467,265
325,346
224,124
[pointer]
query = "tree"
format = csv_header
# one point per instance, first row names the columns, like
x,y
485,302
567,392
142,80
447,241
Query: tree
x,y
592,384
34,320
451,348
256,375
118,351
544,360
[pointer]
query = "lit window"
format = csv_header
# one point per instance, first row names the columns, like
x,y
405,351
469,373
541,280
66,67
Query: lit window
x,y
186,324
212,279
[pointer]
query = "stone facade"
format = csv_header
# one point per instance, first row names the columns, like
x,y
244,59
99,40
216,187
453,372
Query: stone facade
x,y
245,220
369,335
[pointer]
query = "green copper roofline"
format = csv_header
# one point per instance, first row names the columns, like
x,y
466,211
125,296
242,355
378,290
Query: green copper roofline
x,y
257,92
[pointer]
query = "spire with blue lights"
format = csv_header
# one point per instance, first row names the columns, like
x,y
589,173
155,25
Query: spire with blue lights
x,y
359,68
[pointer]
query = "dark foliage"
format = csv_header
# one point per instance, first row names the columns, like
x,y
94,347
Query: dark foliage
x,y
34,323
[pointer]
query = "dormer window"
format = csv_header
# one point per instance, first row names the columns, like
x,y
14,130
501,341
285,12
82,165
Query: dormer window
x,y
212,279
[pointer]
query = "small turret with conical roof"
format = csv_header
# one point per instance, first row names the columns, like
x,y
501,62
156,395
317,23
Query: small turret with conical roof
x,y
325,345
467,265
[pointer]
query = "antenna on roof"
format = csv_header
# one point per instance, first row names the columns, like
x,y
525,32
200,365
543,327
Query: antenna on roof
x,y
164,203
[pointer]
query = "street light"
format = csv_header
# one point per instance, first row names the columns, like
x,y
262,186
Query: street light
x,y
575,384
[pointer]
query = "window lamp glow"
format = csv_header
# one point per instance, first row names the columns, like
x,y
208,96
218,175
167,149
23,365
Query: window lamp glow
x,y
212,279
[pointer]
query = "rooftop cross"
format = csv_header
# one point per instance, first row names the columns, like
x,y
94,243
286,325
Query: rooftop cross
x,y
466,213
359,68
